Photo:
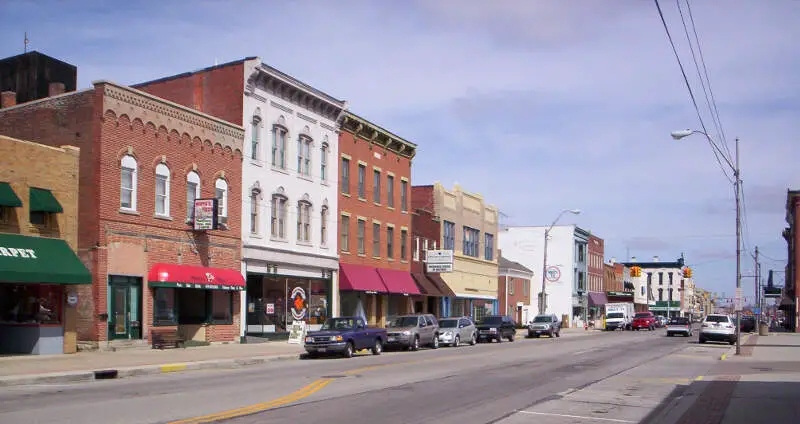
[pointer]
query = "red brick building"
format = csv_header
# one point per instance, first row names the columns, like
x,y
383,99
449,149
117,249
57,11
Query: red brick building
x,y
425,230
597,295
789,302
374,221
513,288
143,162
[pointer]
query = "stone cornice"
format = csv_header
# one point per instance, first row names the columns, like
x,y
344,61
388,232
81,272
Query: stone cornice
x,y
135,104
377,135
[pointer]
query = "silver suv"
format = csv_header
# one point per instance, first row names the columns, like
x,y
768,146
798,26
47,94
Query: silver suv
x,y
547,324
413,331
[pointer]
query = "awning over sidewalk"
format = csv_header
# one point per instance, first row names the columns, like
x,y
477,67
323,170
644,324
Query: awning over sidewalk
x,y
25,259
597,299
360,278
195,277
398,282
440,284
426,286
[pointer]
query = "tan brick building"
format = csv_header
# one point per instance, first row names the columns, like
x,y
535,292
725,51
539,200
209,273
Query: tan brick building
x,y
39,270
374,221
144,161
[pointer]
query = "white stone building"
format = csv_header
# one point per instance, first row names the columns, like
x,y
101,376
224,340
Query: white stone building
x,y
662,286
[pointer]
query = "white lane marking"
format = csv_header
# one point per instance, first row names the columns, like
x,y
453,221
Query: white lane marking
x,y
581,352
566,392
576,416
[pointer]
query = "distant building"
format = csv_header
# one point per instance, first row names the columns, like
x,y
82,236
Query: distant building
x,y
33,76
595,275
661,284
791,296
514,289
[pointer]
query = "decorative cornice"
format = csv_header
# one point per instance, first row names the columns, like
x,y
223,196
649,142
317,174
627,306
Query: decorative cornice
x,y
135,104
377,135
291,90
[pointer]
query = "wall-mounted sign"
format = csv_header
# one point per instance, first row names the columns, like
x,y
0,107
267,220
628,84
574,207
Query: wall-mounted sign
x,y
438,268
205,214
298,299
439,261
620,294
553,274
72,299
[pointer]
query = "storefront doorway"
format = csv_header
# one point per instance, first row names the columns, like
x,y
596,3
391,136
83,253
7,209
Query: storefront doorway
x,y
124,307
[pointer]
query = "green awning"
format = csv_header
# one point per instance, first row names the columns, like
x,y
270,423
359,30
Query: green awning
x,y
25,259
8,197
43,201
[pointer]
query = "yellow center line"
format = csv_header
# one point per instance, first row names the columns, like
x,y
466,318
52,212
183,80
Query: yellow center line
x,y
306,391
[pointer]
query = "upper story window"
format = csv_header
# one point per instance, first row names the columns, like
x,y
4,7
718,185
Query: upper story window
x,y
390,191
669,274
344,244
279,146
192,192
42,204
390,242
221,193
403,245
323,162
376,240
278,220
376,186
304,155
488,246
660,278
449,239
254,211
361,234
362,177
511,286
403,195
415,249
581,253
323,228
471,236
345,181
128,183
162,190
255,138
304,221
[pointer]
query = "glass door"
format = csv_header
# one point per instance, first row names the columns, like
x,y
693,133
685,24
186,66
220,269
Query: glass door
x,y
124,307
120,313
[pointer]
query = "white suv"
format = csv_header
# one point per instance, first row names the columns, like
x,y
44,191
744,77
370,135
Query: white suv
x,y
719,328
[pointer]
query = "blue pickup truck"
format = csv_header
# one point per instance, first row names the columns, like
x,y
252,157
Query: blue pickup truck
x,y
345,336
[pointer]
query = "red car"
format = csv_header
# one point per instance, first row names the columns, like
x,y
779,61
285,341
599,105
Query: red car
x,y
644,320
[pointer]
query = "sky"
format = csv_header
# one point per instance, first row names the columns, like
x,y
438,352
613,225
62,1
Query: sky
x,y
539,106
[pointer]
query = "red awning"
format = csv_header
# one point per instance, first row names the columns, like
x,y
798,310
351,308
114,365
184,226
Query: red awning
x,y
360,278
195,277
399,282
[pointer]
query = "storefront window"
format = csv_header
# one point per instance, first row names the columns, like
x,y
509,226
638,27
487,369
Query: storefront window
x,y
164,310
318,304
221,307
30,303
457,308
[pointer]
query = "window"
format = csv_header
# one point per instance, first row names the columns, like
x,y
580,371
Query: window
x,y
323,163
488,246
345,176
345,236
192,193
376,186
643,291
390,191
254,207
389,242
511,286
581,281
221,306
128,182
304,156
660,278
279,147
361,234
162,190
449,242
278,218
470,247
255,137
221,193
581,253
323,227
669,274
403,245
31,303
526,287
670,295
164,307
415,249
376,240
362,176
660,295
403,195
303,221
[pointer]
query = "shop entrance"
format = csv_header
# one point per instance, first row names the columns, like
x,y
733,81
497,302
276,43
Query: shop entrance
x,y
124,307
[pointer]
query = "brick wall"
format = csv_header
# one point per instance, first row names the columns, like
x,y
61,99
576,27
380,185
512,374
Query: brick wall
x,y
612,280
424,226
519,293
374,157
596,252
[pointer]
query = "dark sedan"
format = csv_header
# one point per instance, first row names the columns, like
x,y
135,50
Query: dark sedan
x,y
748,324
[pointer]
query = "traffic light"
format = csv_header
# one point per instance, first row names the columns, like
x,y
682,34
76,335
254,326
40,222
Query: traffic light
x,y
636,271
687,272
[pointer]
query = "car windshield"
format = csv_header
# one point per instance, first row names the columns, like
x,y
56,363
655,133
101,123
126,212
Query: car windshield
x,y
339,324
643,315
491,320
717,318
679,321
543,318
448,323
404,322
615,315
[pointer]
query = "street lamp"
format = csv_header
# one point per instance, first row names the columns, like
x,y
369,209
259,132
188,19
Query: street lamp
x,y
737,188
542,295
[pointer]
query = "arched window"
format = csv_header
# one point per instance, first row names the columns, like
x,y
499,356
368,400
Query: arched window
x,y
304,155
128,183
254,209
255,137
323,161
221,193
323,232
279,132
278,219
192,192
162,190
304,221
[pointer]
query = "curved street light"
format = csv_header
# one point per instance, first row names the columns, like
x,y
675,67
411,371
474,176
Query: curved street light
x,y
737,187
543,295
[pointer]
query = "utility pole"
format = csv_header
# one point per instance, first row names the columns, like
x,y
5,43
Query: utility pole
x,y
738,189
757,285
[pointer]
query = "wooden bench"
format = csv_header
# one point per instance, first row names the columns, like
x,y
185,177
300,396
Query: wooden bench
x,y
166,338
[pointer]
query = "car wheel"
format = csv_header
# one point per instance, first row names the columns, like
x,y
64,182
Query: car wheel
x,y
499,338
348,350
558,333
415,343
511,337
435,343
457,341
550,334
701,340
377,349
474,339
529,335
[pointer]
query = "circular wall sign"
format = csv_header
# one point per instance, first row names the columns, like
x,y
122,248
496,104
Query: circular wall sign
x,y
553,274
72,299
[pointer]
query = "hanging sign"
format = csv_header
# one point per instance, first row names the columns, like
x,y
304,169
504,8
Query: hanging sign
x,y
205,214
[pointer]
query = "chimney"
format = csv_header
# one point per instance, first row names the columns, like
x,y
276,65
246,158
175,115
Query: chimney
x,y
655,258
8,99
633,258
55,88
612,261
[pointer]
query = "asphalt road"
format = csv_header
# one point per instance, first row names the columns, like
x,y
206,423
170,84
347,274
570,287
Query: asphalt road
x,y
622,376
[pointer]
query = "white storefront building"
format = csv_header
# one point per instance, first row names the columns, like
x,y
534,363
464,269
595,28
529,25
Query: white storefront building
x,y
289,208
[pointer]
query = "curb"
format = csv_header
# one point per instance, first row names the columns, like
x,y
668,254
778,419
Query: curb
x,y
136,371
727,354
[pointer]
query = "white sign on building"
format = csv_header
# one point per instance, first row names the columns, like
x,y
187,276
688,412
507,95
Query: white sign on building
x,y
439,261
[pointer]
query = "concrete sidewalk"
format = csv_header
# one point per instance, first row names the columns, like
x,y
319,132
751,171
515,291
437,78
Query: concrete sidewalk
x,y
87,366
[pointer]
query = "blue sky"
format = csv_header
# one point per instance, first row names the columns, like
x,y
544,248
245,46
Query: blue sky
x,y
538,105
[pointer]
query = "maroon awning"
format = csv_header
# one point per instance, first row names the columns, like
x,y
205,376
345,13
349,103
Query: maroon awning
x,y
398,282
360,278
597,299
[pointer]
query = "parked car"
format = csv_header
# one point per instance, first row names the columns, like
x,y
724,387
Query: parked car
x,y
454,331
748,324
644,320
718,327
345,336
661,321
496,327
545,325
413,331
679,325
